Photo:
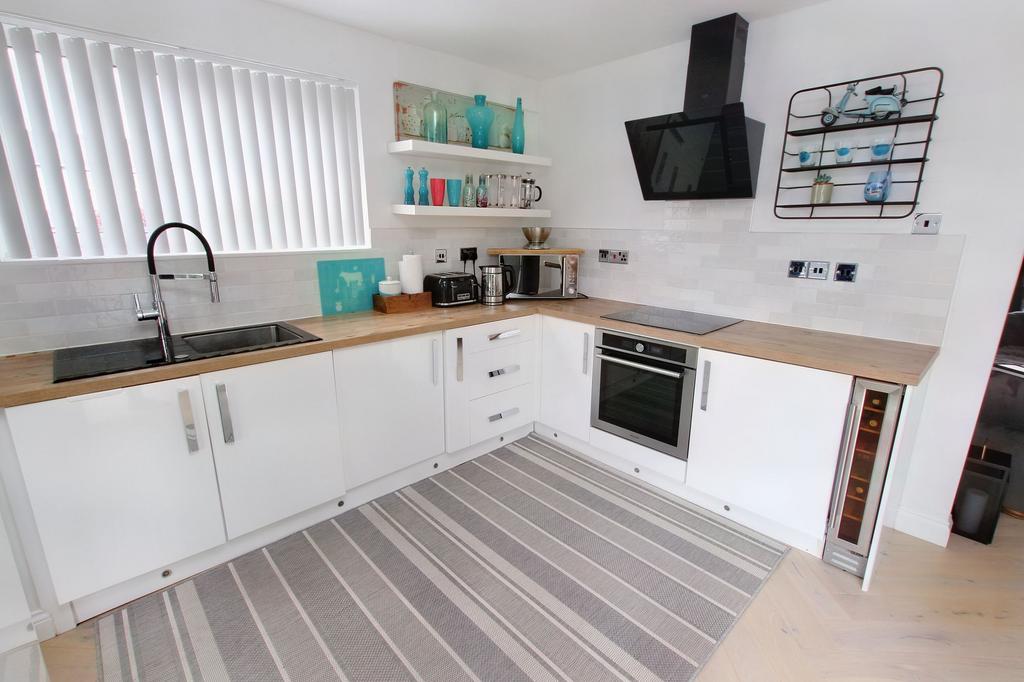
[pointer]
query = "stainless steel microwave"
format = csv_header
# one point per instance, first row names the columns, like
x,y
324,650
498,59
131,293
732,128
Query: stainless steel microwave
x,y
543,275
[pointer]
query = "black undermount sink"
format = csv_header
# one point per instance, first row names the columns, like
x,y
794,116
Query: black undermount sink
x,y
125,356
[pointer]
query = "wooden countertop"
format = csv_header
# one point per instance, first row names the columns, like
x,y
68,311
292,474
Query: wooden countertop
x,y
28,378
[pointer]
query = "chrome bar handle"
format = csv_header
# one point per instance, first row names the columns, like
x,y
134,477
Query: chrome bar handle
x,y
188,420
458,359
225,413
511,369
505,335
503,415
705,386
842,477
586,351
637,365
433,361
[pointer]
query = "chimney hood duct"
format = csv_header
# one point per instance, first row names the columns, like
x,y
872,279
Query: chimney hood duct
x,y
710,150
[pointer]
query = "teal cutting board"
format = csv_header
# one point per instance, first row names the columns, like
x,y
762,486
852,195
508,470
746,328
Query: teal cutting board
x,y
348,286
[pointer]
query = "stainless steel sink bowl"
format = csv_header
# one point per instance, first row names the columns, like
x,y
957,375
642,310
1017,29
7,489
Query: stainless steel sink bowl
x,y
125,356
239,339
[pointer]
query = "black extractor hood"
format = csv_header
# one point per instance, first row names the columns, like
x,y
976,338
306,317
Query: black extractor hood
x,y
710,150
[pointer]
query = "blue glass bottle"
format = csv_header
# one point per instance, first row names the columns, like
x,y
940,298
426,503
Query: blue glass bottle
x,y
435,120
424,190
480,117
410,193
518,129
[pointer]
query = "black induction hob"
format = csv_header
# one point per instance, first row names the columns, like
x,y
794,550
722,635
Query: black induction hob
x,y
676,320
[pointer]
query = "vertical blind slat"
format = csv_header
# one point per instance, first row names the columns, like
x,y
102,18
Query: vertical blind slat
x,y
22,163
100,178
348,209
138,138
13,241
101,143
251,157
218,165
174,123
279,111
296,128
149,90
44,144
225,83
333,190
195,138
268,155
59,97
315,158
117,147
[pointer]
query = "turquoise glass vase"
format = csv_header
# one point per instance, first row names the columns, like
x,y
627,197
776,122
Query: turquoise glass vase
x,y
480,117
518,129
435,121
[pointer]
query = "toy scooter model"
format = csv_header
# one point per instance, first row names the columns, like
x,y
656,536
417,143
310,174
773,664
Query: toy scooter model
x,y
881,103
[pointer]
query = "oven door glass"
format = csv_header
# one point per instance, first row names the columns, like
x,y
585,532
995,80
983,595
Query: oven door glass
x,y
641,401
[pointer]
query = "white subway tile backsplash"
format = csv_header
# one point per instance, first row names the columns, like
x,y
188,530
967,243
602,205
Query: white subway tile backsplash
x,y
46,305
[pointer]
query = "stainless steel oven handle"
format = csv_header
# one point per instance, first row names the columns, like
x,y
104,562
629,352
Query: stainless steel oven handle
x,y
637,365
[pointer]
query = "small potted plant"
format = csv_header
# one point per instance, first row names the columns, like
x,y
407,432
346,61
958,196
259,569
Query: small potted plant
x,y
821,193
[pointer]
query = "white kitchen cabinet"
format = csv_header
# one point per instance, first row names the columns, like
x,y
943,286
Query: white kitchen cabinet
x,y
390,405
481,362
120,482
567,350
765,438
274,428
14,611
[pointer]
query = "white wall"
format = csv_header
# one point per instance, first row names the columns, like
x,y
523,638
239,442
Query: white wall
x,y
46,306
689,248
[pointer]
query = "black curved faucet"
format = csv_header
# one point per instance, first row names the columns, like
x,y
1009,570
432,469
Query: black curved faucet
x,y
159,310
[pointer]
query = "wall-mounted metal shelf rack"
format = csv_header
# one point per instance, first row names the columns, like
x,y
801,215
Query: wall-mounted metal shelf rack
x,y
910,132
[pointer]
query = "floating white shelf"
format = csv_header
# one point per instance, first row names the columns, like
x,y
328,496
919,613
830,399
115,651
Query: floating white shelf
x,y
463,212
435,150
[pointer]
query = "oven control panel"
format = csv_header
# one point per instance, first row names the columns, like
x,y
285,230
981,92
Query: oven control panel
x,y
669,352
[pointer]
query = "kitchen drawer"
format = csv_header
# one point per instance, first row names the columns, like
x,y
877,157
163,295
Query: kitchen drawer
x,y
495,414
497,369
497,334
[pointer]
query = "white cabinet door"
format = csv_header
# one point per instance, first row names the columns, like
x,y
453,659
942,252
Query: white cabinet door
x,y
13,606
120,482
567,350
274,428
765,437
391,405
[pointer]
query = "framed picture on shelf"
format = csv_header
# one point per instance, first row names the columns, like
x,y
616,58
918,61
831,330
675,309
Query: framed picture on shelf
x,y
410,98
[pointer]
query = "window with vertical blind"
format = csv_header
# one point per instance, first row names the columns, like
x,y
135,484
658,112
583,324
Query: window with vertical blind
x,y
102,143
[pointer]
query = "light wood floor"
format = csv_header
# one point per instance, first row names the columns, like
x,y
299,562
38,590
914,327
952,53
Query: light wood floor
x,y
932,614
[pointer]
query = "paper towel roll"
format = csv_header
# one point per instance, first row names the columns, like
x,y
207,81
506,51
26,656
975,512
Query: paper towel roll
x,y
410,272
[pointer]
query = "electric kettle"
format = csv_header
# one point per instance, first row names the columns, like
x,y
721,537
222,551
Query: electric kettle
x,y
495,282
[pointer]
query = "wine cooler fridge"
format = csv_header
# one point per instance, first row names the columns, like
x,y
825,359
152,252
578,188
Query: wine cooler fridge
x,y
860,474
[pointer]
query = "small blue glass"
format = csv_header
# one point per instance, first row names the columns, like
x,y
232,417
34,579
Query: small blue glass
x,y
410,193
424,188
454,186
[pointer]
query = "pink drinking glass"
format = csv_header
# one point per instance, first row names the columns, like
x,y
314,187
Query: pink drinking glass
x,y
437,191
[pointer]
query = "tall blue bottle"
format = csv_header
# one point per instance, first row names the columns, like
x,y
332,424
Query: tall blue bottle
x,y
424,192
480,117
410,193
518,129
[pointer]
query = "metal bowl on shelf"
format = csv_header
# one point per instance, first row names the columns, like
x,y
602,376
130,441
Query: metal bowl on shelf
x,y
536,236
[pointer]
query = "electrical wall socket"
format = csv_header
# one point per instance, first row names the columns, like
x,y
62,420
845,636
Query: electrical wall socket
x,y
927,223
467,253
817,269
845,272
618,256
798,269
440,255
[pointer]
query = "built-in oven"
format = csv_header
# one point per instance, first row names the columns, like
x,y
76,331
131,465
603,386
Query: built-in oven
x,y
643,390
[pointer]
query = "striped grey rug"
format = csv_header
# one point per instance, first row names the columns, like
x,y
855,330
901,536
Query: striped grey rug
x,y
529,563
